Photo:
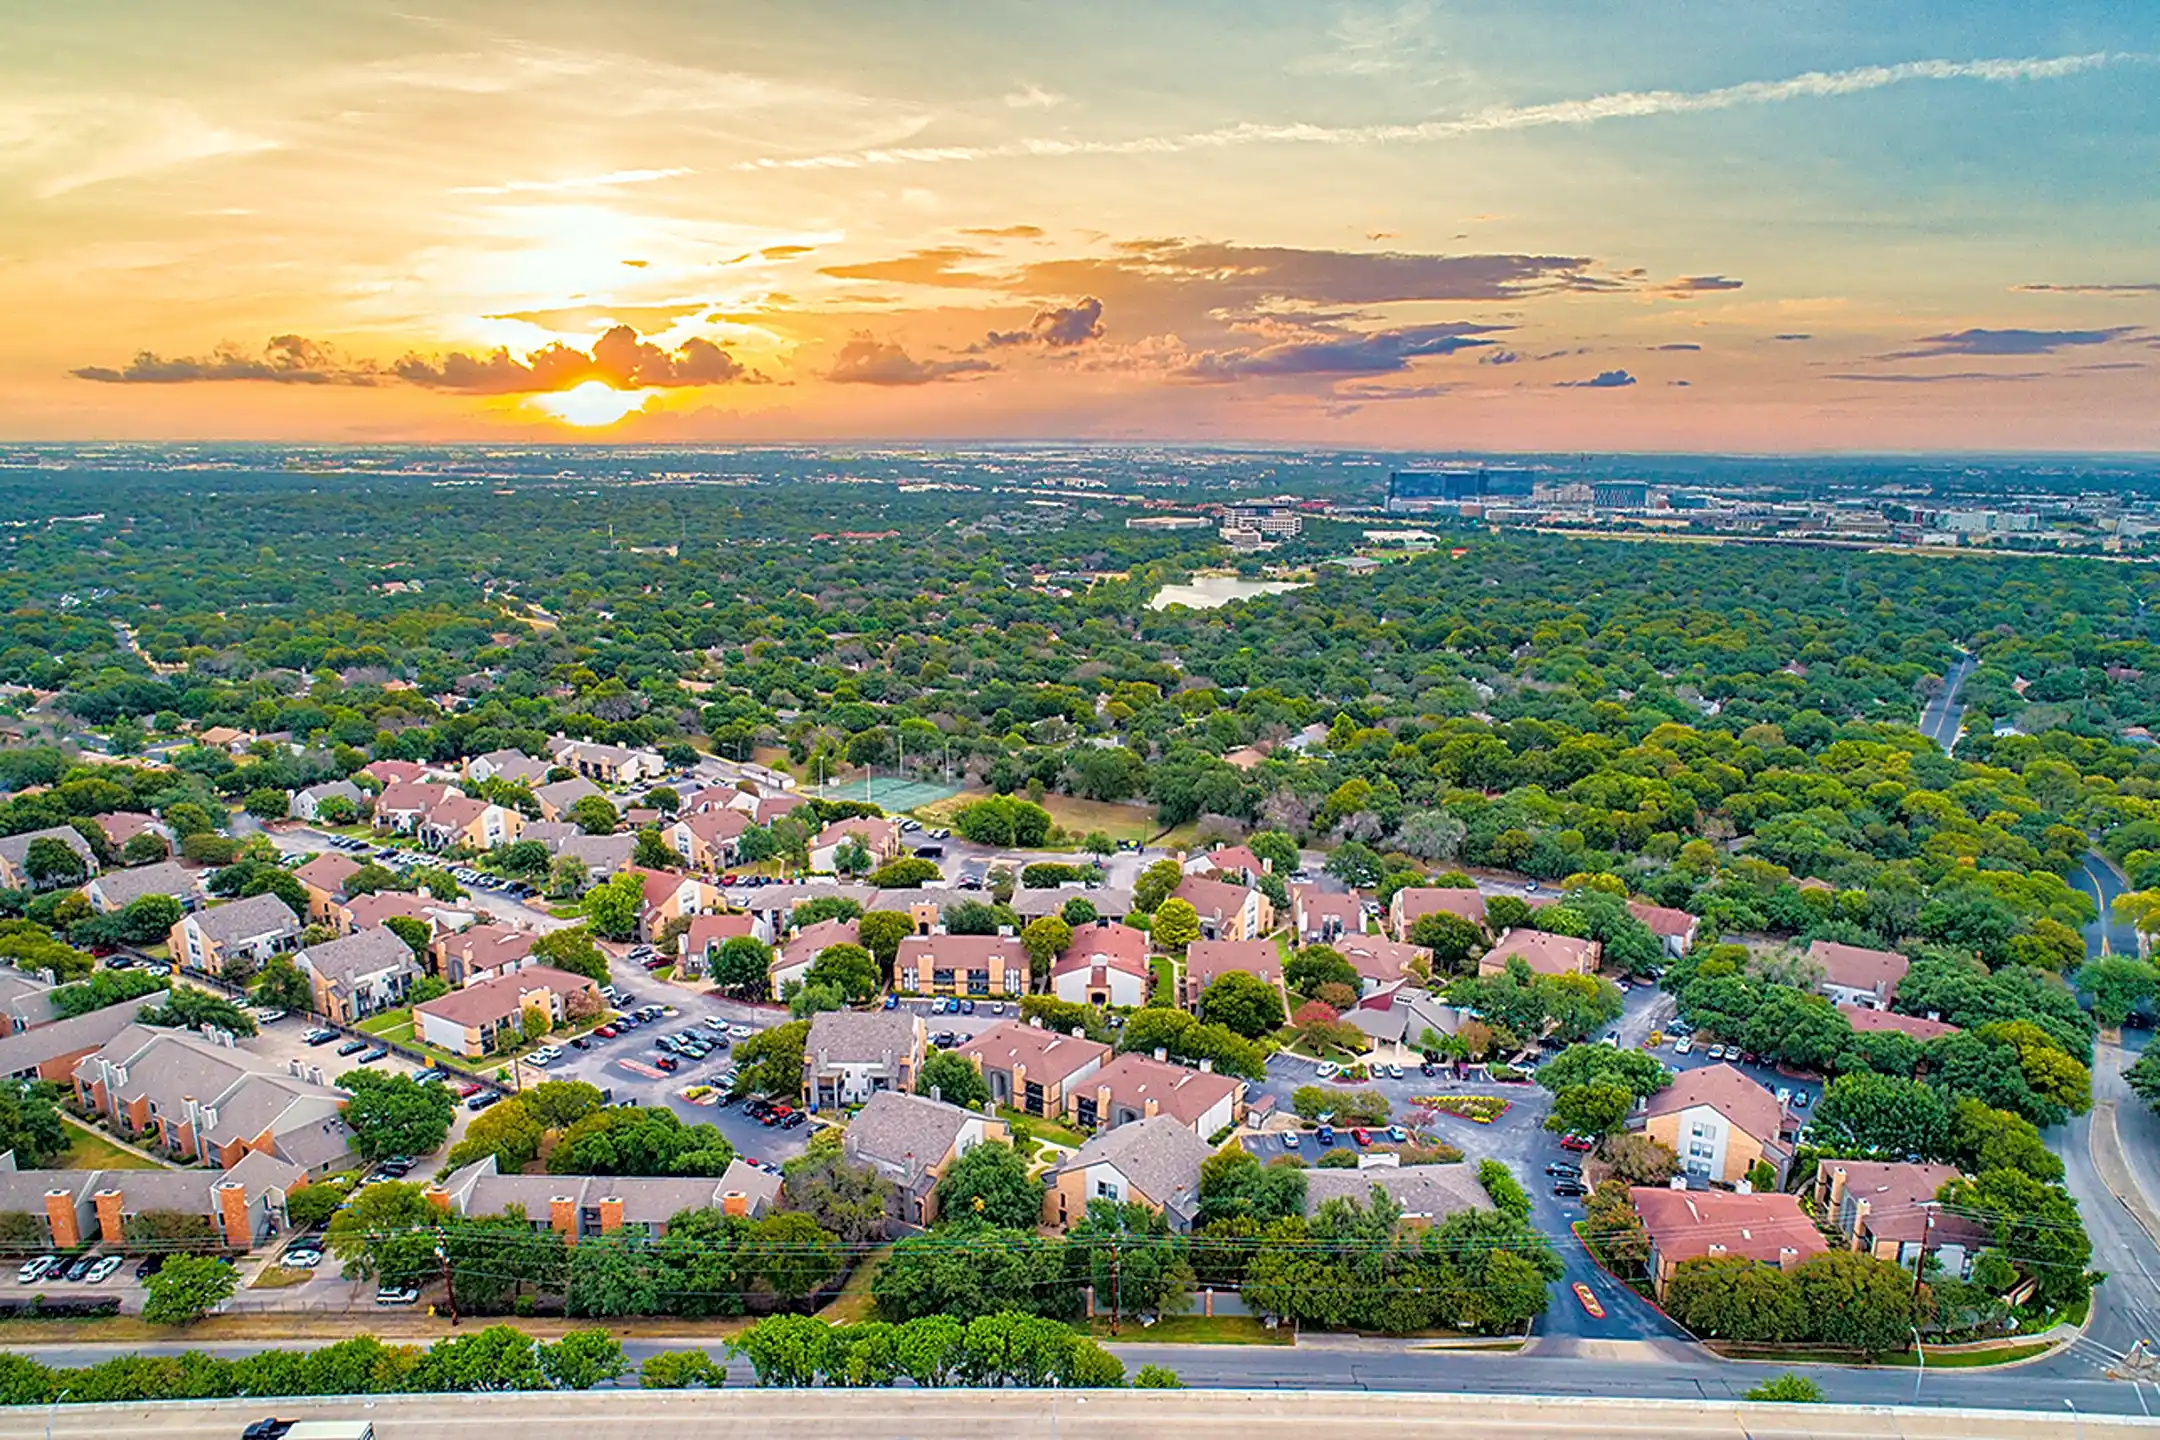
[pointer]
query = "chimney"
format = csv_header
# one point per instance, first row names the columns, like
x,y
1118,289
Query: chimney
x,y
61,1217
112,1225
1207,1067
1838,1182
233,1214
437,1196
1162,1054
1678,1182
562,1216
1079,1032
610,1214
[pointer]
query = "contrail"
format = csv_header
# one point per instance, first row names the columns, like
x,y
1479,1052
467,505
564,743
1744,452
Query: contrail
x,y
1621,105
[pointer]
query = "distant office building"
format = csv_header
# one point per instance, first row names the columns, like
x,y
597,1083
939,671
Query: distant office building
x,y
1167,522
1268,521
1413,490
1620,495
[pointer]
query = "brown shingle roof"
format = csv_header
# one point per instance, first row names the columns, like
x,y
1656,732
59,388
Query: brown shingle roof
x,y
1050,1055
1213,899
498,998
1730,1093
1207,959
1188,1094
1692,1224
1855,967
1421,900
1545,953
1105,943
1863,1018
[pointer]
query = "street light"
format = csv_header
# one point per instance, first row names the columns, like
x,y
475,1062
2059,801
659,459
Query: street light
x,y
1922,1354
2074,1414
54,1411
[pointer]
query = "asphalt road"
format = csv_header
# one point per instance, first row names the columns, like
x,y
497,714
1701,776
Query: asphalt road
x,y
1940,720
2097,877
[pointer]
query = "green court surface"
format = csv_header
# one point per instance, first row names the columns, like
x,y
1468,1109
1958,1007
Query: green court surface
x,y
890,793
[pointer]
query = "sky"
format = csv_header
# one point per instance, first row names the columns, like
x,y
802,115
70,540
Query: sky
x,y
1755,225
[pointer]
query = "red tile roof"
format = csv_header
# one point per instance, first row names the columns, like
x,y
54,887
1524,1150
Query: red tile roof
x,y
1115,946
1545,953
1855,967
1863,1018
1207,959
1664,922
1418,901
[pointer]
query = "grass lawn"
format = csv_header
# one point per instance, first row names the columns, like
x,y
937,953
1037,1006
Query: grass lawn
x,y
1904,1359
389,1022
276,1277
1041,1128
1165,971
88,1150
1194,1330
853,1303
1074,815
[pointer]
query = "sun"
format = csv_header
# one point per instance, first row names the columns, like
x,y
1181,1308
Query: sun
x,y
593,402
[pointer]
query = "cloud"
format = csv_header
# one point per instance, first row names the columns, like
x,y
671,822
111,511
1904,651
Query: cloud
x,y
784,252
1381,352
1960,375
1499,357
1362,390
1795,335
1596,109
2140,288
2010,342
618,359
1007,232
1687,287
866,360
1059,327
1370,42
935,266
285,360
66,143
1033,97
610,180
1678,345
1603,380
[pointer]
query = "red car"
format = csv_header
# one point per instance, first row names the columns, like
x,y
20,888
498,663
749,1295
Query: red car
x,y
1577,1142
607,1032
469,1089
1361,1135
667,1062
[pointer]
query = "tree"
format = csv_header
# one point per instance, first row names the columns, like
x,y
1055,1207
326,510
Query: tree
x,y
1640,1160
572,949
1176,924
186,1288
881,931
851,856
280,984
955,1080
2036,1227
1155,884
30,1124
1318,965
651,851
904,871
1234,1185
594,814
639,1140
770,1062
268,804
742,967
2143,1077
509,1131
1130,1257
523,860
1884,1115
1639,1074
805,1000
1597,1109
395,1115
2118,985
1043,939
681,1370
1453,941
1856,1301
845,1199
1983,1138
1356,864
1430,835
613,906
1078,911
1508,1195
1242,1003
50,862
847,968
566,878
415,933
990,1184
824,907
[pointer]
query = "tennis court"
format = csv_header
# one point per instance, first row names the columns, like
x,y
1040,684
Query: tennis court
x,y
893,794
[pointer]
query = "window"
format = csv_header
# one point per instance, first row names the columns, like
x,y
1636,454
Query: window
x,y
1104,1190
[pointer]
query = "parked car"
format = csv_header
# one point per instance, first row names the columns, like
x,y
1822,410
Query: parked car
x,y
1290,1140
1581,1143
301,1257
1398,1135
34,1270
1802,1099
1328,1070
466,1089
1361,1135
1715,1052
1566,1187
380,1052
1683,1046
1324,1136
667,1062
405,1295
149,1265
1394,1072
740,1032
352,1047
79,1267
1562,1168
482,1100
892,1002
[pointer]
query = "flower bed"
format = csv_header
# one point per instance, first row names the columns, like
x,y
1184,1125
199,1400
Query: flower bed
x,y
1484,1109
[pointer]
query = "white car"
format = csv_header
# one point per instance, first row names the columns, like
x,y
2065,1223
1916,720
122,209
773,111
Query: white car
x,y
1716,1052
35,1270
740,1032
102,1271
1683,1046
404,1296
1328,1070
1290,1140
301,1257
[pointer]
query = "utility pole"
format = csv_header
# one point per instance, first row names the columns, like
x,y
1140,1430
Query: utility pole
x,y
442,1257
1116,1297
1920,1265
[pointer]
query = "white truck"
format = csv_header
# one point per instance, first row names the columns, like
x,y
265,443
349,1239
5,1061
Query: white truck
x,y
272,1428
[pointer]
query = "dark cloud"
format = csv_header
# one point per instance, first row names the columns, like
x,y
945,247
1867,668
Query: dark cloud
x,y
1687,287
637,264
866,360
2141,288
935,266
1798,335
1060,327
1682,383
1381,352
1008,232
618,358
2010,342
1982,375
784,252
1678,345
1603,380
1499,357
286,360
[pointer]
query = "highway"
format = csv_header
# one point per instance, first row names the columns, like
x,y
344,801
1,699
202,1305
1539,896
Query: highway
x,y
1069,1415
